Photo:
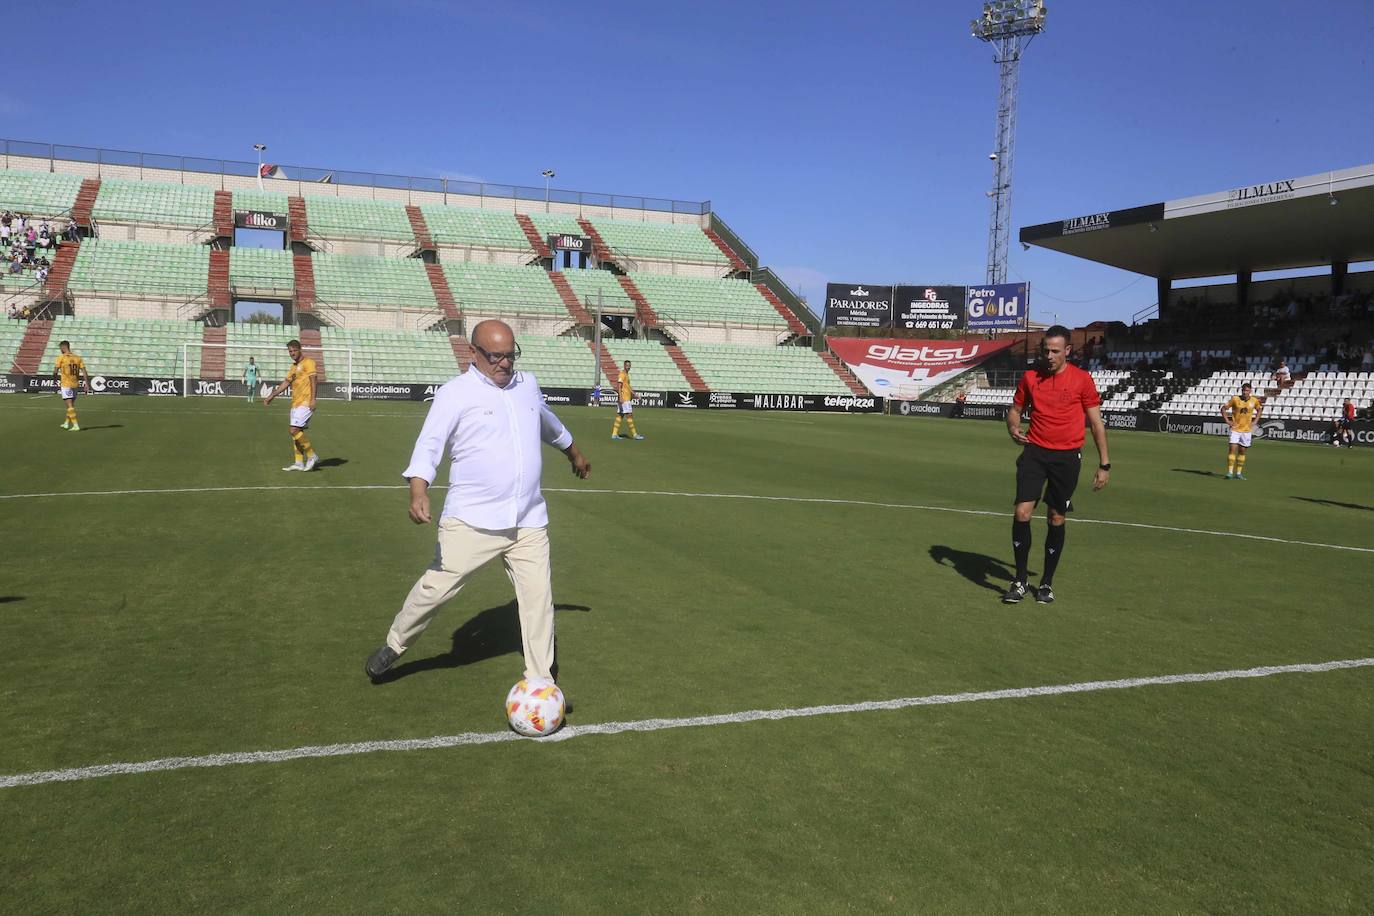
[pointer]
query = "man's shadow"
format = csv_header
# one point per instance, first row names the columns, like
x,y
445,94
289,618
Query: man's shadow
x,y
1195,471
1332,502
978,568
493,632
331,462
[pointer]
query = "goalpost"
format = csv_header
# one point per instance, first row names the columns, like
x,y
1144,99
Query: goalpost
x,y
271,360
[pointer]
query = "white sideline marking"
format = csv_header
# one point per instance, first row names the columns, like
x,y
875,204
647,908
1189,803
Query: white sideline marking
x,y
77,774
745,496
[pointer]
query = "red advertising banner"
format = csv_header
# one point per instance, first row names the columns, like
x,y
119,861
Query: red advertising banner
x,y
905,369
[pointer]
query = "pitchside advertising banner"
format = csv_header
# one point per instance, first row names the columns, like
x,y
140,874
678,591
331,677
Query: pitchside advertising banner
x,y
928,308
1002,305
854,305
1148,421
905,369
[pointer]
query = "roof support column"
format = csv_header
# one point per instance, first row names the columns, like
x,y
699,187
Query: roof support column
x,y
1243,289
1338,271
1163,286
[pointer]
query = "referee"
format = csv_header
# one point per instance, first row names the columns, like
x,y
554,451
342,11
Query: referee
x,y
1061,396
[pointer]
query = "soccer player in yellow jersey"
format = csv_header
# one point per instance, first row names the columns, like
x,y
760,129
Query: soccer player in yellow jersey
x,y
1240,413
300,378
70,371
625,404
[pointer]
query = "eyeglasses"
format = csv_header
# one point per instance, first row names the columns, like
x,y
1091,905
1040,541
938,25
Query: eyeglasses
x,y
494,358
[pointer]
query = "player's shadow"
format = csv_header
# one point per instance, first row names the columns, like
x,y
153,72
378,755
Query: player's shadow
x,y
491,633
1332,502
331,462
10,599
978,568
1195,471
87,429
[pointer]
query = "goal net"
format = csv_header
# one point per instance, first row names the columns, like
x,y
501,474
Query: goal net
x,y
272,362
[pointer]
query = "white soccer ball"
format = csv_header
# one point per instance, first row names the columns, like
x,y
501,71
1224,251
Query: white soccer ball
x,y
534,707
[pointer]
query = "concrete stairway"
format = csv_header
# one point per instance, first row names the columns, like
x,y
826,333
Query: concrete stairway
x,y
30,353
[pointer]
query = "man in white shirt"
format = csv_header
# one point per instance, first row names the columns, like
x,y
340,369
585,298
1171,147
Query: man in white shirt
x,y
491,420
1282,373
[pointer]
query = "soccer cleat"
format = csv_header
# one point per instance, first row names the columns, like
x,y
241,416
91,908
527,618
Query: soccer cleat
x,y
380,661
1015,592
613,438
1044,595
74,428
638,437
311,462
1230,475
294,467
1240,477
66,425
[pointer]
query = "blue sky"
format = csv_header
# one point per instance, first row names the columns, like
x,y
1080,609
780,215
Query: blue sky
x,y
842,141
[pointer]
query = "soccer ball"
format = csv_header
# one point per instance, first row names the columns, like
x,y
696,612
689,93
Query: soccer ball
x,y
534,707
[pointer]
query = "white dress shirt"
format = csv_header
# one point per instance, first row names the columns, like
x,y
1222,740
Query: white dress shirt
x,y
492,435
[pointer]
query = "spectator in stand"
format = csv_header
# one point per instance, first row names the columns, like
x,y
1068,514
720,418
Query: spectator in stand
x,y
14,311
5,233
18,224
17,263
73,233
1367,364
26,313
44,238
1282,375
41,274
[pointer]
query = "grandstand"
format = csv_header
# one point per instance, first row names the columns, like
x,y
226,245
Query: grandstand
x,y
379,270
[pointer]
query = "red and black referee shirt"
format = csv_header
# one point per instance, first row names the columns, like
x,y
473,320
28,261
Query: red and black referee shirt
x,y
1059,404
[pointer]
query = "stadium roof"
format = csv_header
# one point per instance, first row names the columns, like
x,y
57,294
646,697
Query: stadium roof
x,y
1277,225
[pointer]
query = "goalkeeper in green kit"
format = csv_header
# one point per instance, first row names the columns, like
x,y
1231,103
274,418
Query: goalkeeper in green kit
x,y
250,378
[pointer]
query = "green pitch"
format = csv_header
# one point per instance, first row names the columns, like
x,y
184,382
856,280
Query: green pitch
x,y
224,618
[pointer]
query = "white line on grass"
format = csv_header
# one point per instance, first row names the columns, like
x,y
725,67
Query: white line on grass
x,y
743,496
77,774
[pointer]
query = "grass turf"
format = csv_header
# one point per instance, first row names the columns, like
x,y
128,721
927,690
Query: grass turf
x,y
150,625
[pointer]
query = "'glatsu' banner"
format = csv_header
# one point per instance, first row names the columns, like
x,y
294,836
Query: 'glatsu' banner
x,y
905,369
1002,305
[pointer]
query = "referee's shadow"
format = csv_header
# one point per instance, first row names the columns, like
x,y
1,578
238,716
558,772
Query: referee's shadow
x,y
488,634
979,568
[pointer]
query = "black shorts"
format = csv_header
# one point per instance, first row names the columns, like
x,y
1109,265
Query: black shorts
x,y
1048,474
1344,423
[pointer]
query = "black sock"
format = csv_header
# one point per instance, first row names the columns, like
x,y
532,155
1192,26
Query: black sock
x,y
1021,545
1054,549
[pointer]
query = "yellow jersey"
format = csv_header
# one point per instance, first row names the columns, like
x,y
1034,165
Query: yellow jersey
x,y
69,369
301,377
622,387
1243,412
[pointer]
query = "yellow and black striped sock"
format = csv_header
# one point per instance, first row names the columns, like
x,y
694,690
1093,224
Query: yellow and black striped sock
x,y
303,446
1230,464
1240,464
631,421
615,427
71,415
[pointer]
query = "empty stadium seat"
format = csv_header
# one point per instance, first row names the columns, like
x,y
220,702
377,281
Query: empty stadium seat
x,y
414,357
490,289
265,269
266,343
763,370
558,362
691,299
11,334
37,193
356,279
482,228
659,241
138,347
149,268
651,366
122,201
586,284
350,217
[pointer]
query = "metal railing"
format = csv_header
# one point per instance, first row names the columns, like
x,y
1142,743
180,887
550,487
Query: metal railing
x,y
779,288
126,159
720,228
1145,314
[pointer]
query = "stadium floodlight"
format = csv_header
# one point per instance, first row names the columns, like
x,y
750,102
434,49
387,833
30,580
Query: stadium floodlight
x,y
260,147
547,173
1009,26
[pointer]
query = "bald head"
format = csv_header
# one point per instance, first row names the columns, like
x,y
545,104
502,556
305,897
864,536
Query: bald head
x,y
494,342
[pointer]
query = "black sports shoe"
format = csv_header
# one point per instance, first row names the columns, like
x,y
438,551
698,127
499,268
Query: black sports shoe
x,y
1015,592
381,660
1044,595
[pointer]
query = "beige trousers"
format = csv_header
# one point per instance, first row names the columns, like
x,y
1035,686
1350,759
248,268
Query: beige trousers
x,y
461,551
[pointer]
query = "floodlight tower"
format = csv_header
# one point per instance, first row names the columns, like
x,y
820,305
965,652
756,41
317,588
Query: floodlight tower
x,y
1009,26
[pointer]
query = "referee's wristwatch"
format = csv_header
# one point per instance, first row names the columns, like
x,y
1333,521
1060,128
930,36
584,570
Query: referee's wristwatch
x,y
1105,467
